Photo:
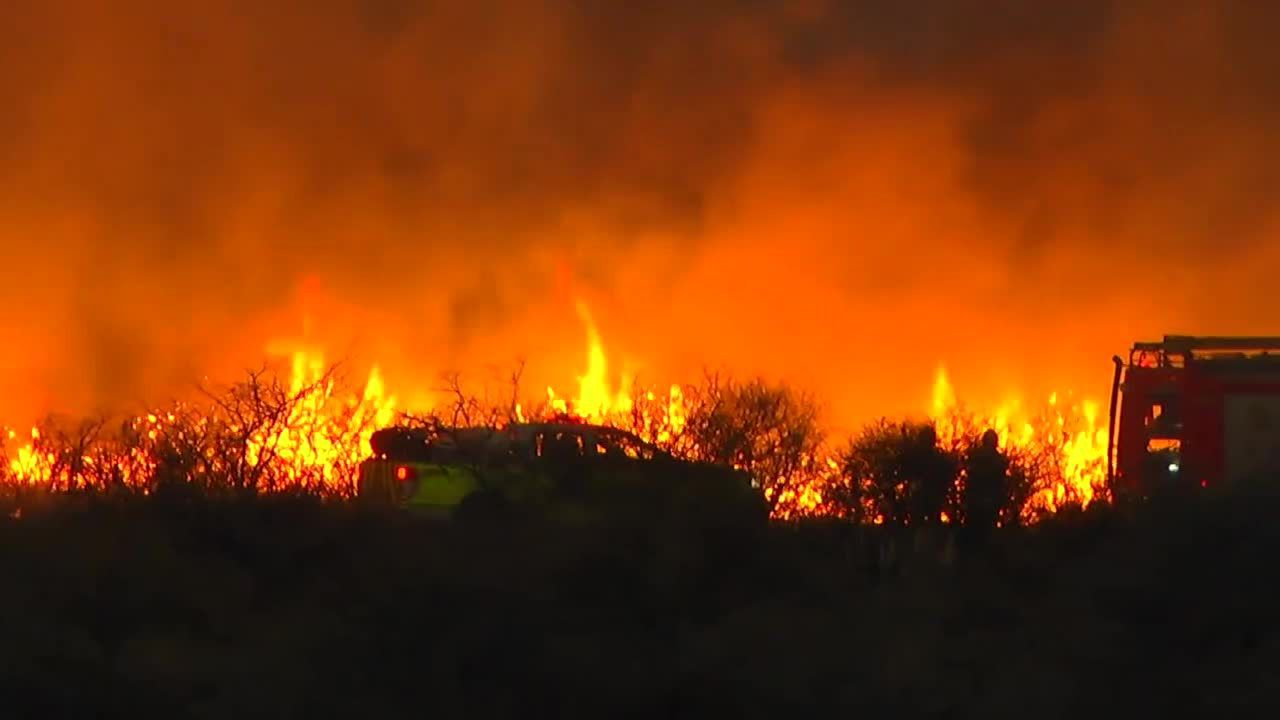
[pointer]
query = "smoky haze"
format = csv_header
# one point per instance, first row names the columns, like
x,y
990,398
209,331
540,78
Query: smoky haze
x,y
842,194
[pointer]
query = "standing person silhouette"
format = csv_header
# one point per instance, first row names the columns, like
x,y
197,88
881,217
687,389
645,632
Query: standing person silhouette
x,y
986,489
931,473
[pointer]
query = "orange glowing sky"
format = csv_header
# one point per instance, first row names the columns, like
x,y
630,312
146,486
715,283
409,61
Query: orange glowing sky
x,y
843,195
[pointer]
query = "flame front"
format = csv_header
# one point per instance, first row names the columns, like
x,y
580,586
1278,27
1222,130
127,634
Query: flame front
x,y
321,437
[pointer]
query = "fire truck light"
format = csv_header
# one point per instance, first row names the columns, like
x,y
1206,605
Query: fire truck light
x,y
1173,467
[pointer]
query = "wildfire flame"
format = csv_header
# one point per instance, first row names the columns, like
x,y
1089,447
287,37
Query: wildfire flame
x,y
323,437
319,437
316,438
596,401
1067,436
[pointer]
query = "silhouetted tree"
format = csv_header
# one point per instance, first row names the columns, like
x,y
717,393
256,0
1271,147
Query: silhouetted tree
x,y
872,485
894,472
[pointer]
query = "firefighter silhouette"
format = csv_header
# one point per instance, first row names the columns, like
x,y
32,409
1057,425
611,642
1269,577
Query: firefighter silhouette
x,y
931,474
986,488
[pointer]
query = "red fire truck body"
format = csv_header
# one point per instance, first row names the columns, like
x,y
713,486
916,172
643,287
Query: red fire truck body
x,y
1195,411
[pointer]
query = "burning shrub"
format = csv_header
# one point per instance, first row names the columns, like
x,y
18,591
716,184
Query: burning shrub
x,y
68,456
258,435
769,430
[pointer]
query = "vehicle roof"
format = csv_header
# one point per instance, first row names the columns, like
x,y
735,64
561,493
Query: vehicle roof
x,y
572,427
520,431
566,426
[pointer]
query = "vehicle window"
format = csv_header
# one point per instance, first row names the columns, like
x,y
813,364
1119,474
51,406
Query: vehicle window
x,y
631,447
606,447
559,444
1163,420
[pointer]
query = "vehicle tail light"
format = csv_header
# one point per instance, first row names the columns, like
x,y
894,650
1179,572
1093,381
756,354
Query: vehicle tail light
x,y
404,473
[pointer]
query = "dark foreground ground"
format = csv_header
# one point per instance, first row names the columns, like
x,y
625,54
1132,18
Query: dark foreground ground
x,y
280,609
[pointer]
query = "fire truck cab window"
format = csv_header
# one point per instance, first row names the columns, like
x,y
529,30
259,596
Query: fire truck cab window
x,y
1163,420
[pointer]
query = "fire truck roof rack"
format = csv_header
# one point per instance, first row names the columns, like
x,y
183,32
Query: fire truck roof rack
x,y
1188,343
1183,344
1176,350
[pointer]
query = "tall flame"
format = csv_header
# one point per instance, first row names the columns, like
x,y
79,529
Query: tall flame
x,y
596,400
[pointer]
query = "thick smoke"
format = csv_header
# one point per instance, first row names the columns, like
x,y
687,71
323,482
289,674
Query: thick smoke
x,y
844,194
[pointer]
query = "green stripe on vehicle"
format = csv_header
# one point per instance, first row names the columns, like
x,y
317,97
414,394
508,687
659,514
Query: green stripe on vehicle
x,y
443,485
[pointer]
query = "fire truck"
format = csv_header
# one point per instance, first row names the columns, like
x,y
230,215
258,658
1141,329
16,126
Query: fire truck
x,y
1195,412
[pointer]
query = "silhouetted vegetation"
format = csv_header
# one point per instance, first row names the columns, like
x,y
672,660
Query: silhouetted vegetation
x,y
768,429
286,606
